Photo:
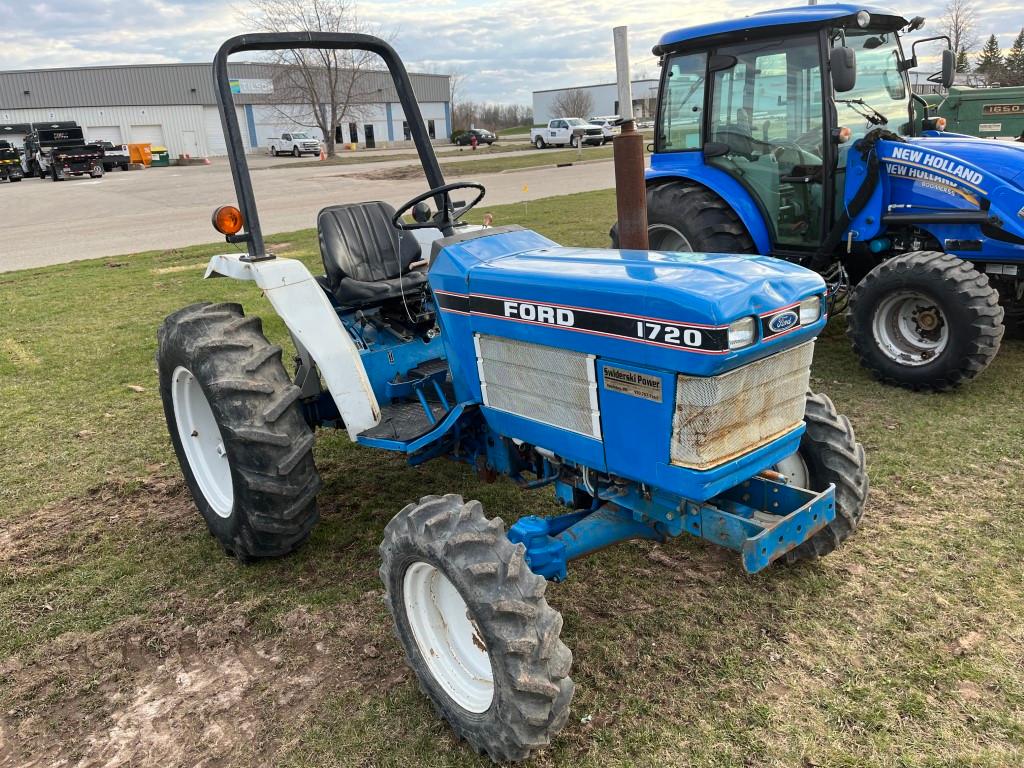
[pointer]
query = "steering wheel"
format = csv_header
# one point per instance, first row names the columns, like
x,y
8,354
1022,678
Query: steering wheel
x,y
446,216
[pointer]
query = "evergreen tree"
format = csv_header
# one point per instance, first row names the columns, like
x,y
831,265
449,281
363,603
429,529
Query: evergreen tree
x,y
1015,61
963,64
990,62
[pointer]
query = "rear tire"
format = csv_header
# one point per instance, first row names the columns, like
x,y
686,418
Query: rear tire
x,y
828,453
925,320
265,506
685,217
448,571
539,143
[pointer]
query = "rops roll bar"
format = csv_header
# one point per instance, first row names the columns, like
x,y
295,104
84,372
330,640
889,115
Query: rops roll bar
x,y
269,41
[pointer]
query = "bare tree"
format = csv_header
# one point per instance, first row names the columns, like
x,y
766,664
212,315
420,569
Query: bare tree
x,y
318,88
574,102
960,22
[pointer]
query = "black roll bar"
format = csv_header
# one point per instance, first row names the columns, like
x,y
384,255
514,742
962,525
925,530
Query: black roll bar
x,y
269,41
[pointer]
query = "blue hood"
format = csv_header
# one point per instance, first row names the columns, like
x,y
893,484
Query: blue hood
x,y
1004,159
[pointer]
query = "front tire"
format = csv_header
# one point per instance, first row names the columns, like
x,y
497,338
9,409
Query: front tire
x,y
477,631
574,141
828,453
238,432
925,321
687,217
295,152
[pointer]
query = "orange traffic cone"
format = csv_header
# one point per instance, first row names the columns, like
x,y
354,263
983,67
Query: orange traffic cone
x,y
323,154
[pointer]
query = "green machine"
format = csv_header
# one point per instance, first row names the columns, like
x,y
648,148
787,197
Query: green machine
x,y
991,113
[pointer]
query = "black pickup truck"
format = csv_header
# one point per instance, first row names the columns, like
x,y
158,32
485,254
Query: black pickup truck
x,y
10,162
59,150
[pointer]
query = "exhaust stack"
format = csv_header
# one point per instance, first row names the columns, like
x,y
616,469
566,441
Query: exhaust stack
x,y
628,154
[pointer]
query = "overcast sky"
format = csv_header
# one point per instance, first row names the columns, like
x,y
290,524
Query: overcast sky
x,y
507,48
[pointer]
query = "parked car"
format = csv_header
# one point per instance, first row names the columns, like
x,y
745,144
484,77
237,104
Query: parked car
x,y
114,155
483,136
294,144
608,125
564,131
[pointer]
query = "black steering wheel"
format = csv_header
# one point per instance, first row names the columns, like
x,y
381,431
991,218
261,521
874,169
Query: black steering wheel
x,y
446,215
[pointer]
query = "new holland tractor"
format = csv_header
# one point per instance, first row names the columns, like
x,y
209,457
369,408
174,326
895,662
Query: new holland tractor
x,y
656,393
795,133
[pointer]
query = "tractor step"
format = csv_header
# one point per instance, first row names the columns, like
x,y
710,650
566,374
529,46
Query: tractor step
x,y
404,421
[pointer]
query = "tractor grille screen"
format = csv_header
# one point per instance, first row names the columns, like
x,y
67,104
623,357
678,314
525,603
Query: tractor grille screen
x,y
720,417
545,384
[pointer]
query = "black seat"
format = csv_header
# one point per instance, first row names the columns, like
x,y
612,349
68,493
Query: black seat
x,y
366,261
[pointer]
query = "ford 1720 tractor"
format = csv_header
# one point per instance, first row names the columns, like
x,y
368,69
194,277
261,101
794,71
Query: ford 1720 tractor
x,y
795,133
656,393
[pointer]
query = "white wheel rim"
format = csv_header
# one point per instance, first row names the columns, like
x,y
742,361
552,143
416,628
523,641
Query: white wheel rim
x,y
910,328
795,469
447,637
662,237
202,442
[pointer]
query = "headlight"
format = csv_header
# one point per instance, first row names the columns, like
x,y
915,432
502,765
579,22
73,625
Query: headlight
x,y
741,333
810,310
863,19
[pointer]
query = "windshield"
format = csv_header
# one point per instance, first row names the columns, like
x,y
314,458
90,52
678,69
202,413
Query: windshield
x,y
880,84
575,121
300,135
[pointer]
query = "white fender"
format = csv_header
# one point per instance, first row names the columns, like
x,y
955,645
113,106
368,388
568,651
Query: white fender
x,y
302,304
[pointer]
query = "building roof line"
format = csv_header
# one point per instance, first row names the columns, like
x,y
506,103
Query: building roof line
x,y
595,85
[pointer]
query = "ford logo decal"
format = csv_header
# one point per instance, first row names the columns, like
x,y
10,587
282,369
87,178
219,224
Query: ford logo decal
x,y
783,321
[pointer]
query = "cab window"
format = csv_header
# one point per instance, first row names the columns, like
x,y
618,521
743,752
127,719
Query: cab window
x,y
682,104
766,130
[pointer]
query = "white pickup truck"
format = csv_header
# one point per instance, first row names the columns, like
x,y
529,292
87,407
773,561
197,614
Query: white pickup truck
x,y
566,130
294,144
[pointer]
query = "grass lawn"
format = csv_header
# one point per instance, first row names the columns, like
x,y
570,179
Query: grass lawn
x,y
495,164
127,638
363,156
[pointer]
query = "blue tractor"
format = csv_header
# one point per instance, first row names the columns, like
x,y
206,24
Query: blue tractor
x,y
795,133
656,393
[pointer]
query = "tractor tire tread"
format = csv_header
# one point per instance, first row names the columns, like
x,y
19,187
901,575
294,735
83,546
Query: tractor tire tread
x,y
533,689
973,291
268,442
833,455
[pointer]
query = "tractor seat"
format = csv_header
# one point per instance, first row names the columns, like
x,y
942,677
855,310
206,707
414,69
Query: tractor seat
x,y
366,261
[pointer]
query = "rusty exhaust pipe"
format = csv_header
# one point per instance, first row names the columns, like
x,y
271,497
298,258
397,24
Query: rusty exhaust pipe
x,y
628,157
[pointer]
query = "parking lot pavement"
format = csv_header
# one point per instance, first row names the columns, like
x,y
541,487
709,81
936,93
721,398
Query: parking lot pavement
x,y
158,208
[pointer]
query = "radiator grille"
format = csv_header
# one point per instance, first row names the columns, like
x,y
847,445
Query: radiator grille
x,y
720,417
545,384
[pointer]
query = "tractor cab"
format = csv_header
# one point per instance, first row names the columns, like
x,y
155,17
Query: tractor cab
x,y
768,102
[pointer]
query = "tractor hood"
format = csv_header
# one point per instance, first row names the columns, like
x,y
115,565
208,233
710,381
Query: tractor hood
x,y
1004,159
668,309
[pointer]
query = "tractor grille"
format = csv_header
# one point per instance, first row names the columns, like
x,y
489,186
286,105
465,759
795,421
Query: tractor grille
x,y
720,417
545,384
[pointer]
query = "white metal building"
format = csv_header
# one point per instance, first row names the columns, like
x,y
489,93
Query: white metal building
x,y
174,105
605,97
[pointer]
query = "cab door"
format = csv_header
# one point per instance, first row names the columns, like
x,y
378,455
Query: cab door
x,y
766,129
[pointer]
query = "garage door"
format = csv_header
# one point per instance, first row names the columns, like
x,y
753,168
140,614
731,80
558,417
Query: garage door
x,y
148,134
111,133
215,133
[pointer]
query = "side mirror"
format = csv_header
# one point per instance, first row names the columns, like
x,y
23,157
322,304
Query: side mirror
x,y
948,67
843,64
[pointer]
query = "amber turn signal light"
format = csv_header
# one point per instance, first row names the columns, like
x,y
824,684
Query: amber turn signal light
x,y
940,123
842,135
227,220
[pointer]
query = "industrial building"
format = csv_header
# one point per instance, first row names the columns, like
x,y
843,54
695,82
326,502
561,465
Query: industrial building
x,y
173,105
605,98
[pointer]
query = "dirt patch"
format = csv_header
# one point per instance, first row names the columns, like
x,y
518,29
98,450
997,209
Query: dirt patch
x,y
190,681
386,174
